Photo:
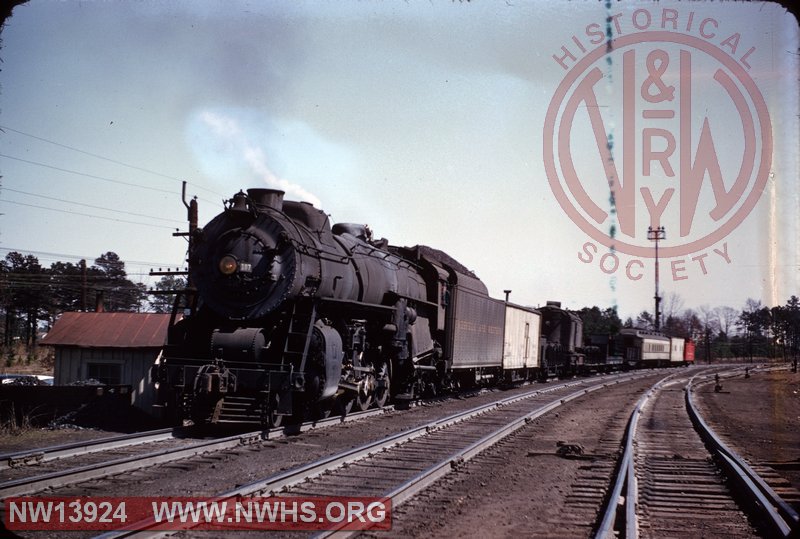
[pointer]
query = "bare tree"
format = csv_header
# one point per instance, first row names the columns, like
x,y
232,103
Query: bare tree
x,y
672,305
726,317
692,324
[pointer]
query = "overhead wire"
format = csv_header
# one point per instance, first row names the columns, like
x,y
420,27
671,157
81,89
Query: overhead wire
x,y
68,171
58,256
115,210
95,177
85,214
101,178
104,158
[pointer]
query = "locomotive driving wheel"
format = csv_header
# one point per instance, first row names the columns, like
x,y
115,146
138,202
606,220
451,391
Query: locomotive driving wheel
x,y
382,386
269,415
366,390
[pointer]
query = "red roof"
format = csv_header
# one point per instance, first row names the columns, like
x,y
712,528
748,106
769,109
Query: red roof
x,y
109,330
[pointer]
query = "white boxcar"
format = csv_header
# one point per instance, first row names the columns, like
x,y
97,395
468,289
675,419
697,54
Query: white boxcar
x,y
677,345
521,343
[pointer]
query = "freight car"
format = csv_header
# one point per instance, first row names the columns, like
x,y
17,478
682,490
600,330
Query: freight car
x,y
291,316
688,352
603,353
677,351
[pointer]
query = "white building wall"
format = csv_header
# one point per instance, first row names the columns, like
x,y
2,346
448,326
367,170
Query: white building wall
x,y
72,364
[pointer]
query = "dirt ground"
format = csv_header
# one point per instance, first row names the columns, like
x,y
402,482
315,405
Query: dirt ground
x,y
759,417
89,422
523,487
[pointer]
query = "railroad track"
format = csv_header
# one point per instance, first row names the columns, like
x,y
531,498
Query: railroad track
x,y
672,480
64,451
121,463
401,465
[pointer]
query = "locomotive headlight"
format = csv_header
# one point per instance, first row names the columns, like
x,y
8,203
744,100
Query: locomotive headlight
x,y
227,265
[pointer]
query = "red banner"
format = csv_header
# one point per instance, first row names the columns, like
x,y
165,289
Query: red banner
x,y
178,513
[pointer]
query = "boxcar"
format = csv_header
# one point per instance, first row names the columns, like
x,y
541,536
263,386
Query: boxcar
x,y
688,352
474,326
521,342
677,350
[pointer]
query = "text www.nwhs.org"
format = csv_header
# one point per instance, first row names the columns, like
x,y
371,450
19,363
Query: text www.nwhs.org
x,y
176,513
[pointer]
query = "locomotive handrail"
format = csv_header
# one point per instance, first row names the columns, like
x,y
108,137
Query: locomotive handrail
x,y
310,249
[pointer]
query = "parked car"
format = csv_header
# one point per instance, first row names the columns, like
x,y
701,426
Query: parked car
x,y
26,379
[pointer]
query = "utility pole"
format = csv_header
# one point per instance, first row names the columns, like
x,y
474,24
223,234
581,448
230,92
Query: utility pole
x,y
656,234
83,284
188,292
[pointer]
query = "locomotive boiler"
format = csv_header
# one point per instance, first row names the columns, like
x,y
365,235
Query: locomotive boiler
x,y
295,314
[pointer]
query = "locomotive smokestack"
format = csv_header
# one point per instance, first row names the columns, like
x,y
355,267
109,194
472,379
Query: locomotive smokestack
x,y
266,198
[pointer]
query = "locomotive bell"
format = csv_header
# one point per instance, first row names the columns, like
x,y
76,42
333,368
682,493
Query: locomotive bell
x,y
239,202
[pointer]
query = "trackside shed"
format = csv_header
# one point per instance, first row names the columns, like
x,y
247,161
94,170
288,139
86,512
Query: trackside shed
x,y
114,348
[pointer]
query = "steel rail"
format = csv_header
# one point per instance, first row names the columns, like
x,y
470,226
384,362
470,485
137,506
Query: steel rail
x,y
625,476
428,477
94,471
781,517
45,454
284,480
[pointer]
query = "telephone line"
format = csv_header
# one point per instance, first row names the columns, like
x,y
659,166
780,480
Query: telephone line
x,y
91,206
98,156
86,214
82,257
87,175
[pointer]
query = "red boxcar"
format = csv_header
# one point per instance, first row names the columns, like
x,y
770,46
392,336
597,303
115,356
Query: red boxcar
x,y
688,352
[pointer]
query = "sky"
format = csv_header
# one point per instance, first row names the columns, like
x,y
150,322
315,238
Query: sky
x,y
449,124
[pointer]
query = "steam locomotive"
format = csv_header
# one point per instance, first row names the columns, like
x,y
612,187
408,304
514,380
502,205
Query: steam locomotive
x,y
293,316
